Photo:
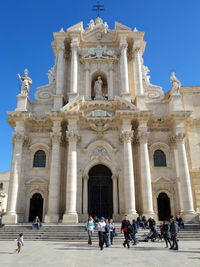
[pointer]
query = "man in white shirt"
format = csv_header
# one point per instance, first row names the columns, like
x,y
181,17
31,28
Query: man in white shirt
x,y
90,228
101,232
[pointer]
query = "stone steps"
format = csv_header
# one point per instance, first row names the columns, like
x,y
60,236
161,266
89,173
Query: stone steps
x,y
78,233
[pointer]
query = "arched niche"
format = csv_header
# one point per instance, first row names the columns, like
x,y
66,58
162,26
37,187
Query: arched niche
x,y
94,78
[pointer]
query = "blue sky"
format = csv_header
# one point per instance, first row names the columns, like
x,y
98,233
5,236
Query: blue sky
x,y
172,33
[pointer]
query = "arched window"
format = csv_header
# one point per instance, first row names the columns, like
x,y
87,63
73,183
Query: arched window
x,y
39,159
159,158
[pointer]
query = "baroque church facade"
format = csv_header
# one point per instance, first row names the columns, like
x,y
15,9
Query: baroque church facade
x,y
100,139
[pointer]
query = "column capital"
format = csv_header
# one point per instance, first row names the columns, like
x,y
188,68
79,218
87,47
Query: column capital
x,y
72,136
126,136
56,137
61,46
74,43
143,136
19,138
85,177
178,138
114,177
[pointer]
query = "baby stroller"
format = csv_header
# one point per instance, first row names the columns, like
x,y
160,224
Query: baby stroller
x,y
153,235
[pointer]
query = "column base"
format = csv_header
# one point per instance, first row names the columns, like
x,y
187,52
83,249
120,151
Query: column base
x,y
190,217
71,96
57,102
70,218
126,96
51,218
10,219
140,102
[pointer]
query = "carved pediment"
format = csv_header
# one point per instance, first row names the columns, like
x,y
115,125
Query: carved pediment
x,y
121,27
74,105
123,104
37,180
76,28
162,180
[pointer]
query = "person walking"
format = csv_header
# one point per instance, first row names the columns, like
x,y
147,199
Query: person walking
x,y
134,231
101,232
112,231
90,229
126,228
174,232
107,231
20,242
165,233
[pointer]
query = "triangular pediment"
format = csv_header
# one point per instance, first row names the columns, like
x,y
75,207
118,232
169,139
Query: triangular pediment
x,y
162,180
121,27
96,35
37,180
76,28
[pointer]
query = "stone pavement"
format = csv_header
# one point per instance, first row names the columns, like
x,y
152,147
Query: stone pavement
x,y
42,254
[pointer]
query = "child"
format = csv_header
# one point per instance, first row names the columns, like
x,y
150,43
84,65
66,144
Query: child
x,y
20,242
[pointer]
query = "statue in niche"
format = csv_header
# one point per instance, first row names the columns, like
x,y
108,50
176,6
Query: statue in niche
x,y
98,89
176,84
26,82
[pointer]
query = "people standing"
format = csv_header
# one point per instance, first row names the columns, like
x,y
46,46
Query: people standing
x,y
101,232
112,231
20,242
96,220
90,229
165,233
134,231
126,228
174,232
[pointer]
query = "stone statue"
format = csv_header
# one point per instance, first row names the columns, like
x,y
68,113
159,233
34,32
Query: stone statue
x,y
105,29
26,82
176,84
91,24
98,88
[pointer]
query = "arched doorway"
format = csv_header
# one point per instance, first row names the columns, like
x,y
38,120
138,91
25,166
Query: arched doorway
x,y
100,192
36,207
164,210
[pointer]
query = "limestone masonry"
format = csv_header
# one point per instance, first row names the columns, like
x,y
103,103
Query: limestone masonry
x,y
100,139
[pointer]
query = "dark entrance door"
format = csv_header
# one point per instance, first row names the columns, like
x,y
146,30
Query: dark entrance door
x,y
164,211
100,192
36,207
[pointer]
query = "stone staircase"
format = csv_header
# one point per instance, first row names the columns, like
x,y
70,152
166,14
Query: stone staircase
x,y
77,233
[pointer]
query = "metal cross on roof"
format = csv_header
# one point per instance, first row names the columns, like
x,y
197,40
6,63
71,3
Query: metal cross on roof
x,y
98,8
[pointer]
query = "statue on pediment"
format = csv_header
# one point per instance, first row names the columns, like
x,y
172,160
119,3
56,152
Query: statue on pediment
x,y
176,84
98,89
26,82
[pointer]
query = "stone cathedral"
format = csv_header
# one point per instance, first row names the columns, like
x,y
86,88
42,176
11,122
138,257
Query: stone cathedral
x,y
100,139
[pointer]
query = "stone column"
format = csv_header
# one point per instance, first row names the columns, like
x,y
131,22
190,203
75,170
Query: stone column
x,y
70,215
110,87
74,68
58,98
85,195
115,196
185,181
145,175
124,67
88,92
54,180
172,141
11,216
138,70
129,186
